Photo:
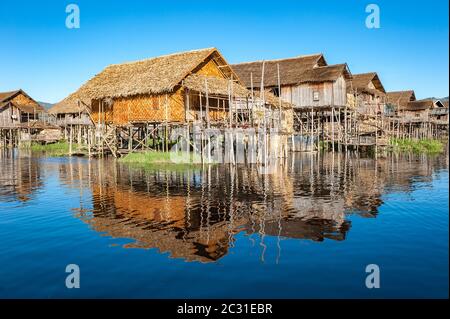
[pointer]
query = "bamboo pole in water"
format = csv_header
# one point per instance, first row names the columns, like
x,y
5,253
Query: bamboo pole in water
x,y
70,141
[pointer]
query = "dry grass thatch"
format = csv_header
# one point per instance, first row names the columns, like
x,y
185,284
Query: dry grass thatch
x,y
21,100
327,73
4,96
69,105
361,82
420,105
216,85
400,99
153,76
291,70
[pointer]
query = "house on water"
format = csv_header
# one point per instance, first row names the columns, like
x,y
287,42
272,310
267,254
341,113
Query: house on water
x,y
439,117
369,93
18,109
72,116
439,114
317,91
136,103
417,118
398,100
21,118
419,110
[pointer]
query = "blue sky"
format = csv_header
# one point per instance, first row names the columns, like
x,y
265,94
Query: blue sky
x,y
40,55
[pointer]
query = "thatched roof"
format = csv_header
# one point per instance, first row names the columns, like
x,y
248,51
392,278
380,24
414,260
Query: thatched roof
x,y
4,96
400,99
291,70
8,97
329,73
361,82
420,105
151,76
69,105
216,85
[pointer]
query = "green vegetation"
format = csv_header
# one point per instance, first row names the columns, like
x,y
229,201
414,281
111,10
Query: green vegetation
x,y
55,149
417,146
153,158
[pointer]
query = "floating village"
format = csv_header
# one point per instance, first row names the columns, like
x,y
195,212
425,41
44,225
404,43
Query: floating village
x,y
195,101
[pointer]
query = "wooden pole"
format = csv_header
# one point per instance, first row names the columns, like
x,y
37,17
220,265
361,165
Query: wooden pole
x,y
332,128
70,141
207,104
166,137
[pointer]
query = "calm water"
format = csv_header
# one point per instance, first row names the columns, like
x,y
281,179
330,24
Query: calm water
x,y
308,230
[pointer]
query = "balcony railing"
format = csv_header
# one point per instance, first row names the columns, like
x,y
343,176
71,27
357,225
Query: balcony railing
x,y
73,121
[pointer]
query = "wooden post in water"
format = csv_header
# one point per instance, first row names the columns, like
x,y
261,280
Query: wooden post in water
x,y
332,129
312,129
70,141
166,133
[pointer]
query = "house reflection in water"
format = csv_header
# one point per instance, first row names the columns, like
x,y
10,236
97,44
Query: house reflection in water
x,y
195,214
20,176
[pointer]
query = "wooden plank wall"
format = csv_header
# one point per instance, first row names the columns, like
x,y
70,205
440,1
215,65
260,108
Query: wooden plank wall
x,y
6,114
302,95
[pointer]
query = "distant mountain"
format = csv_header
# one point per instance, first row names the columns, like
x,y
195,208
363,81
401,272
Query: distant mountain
x,y
442,99
46,105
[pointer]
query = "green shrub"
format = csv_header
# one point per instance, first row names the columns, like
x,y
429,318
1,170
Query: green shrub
x,y
417,146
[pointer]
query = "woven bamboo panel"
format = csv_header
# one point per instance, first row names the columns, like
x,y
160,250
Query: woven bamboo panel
x,y
144,108
140,108
218,115
210,69
177,108
106,114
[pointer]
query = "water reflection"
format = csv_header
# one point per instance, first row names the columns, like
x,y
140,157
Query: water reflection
x,y
20,176
194,214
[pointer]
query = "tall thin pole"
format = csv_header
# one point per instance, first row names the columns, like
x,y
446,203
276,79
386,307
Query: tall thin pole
x,y
279,95
207,104
253,97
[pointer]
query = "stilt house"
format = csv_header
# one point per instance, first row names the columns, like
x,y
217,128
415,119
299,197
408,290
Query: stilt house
x,y
369,93
398,100
18,109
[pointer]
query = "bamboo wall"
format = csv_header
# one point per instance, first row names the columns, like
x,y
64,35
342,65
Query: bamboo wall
x,y
156,108
210,69
216,112
142,108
